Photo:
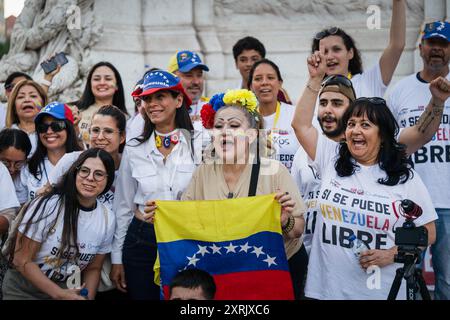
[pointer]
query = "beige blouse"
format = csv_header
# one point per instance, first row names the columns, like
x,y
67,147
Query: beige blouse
x,y
208,183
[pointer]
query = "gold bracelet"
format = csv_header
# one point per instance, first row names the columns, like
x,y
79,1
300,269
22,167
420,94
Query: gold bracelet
x,y
311,88
289,225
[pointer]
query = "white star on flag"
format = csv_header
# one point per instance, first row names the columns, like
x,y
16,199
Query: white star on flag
x,y
202,250
215,249
231,248
270,260
245,247
257,251
193,260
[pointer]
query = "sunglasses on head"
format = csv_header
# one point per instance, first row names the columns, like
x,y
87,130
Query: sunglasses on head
x,y
337,79
373,100
56,126
325,33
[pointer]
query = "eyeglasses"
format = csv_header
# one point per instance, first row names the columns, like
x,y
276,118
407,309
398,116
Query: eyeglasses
x,y
373,100
56,126
85,172
15,164
107,132
337,79
329,32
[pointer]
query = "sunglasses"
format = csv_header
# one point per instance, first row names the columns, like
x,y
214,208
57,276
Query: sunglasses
x,y
15,164
56,126
373,100
328,32
9,87
98,175
337,79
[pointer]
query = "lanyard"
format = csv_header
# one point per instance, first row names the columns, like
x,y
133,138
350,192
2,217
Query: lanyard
x,y
277,116
275,120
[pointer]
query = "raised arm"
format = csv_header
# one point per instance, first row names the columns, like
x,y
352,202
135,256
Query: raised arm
x,y
306,133
391,55
421,133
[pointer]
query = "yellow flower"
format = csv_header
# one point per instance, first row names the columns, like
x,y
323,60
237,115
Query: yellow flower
x,y
242,97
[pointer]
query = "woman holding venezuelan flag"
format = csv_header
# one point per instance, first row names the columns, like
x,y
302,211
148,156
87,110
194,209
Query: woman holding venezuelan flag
x,y
237,155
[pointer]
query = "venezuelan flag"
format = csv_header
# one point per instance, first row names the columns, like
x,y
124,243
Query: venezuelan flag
x,y
238,241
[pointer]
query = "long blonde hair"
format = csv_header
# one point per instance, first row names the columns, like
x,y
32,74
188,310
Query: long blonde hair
x,y
11,114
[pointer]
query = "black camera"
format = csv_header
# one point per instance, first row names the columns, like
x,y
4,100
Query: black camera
x,y
409,240
409,235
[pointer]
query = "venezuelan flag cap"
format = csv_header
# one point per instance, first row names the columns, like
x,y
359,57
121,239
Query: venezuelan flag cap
x,y
185,61
56,110
160,80
437,29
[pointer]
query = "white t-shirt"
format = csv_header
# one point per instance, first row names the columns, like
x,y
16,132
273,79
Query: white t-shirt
x,y
308,181
407,101
21,192
135,127
356,205
369,83
30,183
3,110
283,137
95,233
33,139
8,197
66,162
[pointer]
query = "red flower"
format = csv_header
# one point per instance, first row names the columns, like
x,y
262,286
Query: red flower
x,y
207,114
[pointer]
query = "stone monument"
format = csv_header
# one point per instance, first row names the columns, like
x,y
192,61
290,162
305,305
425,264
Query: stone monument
x,y
137,34
2,22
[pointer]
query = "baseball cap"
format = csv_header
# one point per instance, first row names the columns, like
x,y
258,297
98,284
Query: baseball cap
x,y
56,110
437,29
185,61
339,84
160,80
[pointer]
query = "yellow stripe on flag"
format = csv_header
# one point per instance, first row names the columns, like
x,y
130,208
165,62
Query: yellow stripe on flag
x,y
216,220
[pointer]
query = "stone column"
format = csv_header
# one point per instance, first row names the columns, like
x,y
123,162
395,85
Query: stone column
x,y
167,27
209,42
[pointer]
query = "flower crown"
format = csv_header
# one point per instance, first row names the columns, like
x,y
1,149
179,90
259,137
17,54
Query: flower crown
x,y
241,97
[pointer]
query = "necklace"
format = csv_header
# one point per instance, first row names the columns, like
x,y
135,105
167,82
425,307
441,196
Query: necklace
x,y
167,139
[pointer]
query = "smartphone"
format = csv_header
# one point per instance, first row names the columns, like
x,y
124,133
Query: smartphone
x,y
49,66
61,58
52,64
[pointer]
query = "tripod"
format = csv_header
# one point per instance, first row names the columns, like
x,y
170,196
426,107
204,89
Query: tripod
x,y
409,257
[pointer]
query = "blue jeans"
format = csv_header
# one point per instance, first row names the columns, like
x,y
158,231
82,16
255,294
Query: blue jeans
x,y
440,251
138,257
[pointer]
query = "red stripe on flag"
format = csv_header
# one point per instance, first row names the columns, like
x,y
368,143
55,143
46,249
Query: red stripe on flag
x,y
254,285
